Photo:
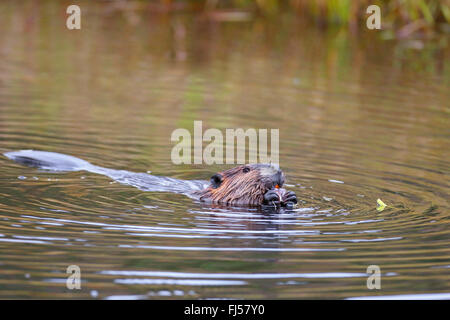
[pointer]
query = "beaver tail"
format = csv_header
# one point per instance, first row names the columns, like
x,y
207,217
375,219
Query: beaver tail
x,y
49,160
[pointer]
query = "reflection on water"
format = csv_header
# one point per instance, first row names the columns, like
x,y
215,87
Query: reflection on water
x,y
359,119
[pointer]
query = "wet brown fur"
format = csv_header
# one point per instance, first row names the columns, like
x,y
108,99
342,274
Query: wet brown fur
x,y
239,187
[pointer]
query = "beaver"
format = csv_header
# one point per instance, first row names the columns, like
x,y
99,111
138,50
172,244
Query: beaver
x,y
252,184
244,185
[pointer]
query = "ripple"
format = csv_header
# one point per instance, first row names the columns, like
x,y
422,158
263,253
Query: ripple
x,y
127,297
240,249
190,282
23,241
422,296
245,276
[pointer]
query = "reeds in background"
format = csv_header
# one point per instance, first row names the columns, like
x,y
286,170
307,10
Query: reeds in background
x,y
414,15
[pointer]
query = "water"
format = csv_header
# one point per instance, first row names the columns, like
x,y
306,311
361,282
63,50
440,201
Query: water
x,y
359,119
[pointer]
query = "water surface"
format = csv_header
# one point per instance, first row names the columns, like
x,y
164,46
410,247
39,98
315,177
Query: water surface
x,y
359,119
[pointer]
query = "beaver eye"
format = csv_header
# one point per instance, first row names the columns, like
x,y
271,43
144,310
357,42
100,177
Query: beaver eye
x,y
246,169
216,180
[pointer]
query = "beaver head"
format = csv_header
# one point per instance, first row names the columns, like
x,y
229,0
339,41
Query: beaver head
x,y
252,184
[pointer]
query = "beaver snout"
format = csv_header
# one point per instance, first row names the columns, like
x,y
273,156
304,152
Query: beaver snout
x,y
276,195
274,178
278,178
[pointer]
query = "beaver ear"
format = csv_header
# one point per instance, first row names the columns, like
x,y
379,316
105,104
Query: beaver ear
x,y
216,180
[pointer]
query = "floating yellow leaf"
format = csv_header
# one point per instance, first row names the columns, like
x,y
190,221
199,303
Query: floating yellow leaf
x,y
380,205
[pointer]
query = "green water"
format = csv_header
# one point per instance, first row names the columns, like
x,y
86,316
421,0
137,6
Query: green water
x,y
359,119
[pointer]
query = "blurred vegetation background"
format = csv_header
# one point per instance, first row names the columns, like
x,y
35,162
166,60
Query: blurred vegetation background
x,y
406,17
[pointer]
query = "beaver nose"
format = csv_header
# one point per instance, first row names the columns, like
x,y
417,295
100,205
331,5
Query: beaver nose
x,y
277,177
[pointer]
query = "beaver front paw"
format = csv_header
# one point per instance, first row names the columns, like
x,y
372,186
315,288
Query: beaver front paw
x,y
272,197
289,197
